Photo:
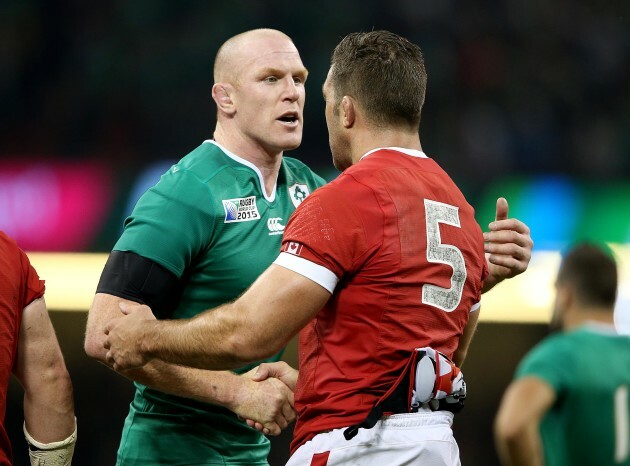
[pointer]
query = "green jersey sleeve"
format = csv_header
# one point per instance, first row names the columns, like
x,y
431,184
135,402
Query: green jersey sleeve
x,y
172,221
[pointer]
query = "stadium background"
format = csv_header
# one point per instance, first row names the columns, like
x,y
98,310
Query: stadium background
x,y
530,100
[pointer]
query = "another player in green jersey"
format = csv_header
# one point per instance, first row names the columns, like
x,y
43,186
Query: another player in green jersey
x,y
569,403
198,239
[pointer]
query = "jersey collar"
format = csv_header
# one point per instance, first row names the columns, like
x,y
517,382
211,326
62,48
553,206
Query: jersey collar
x,y
247,163
600,327
411,152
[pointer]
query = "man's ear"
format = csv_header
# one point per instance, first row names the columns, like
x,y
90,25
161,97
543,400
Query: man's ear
x,y
222,96
348,107
565,296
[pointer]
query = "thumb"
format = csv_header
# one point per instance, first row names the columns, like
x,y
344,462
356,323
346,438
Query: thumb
x,y
262,373
502,209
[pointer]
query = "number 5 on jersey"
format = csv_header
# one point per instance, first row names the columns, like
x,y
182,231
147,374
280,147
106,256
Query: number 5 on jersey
x,y
446,299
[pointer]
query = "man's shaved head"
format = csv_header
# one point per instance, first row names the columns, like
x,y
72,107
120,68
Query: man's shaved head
x,y
233,54
259,92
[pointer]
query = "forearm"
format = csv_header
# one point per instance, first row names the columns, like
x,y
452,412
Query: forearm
x,y
215,340
210,387
466,338
268,402
523,449
215,387
49,406
254,327
517,425
41,370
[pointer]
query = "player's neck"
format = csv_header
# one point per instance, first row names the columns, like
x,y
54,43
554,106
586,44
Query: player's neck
x,y
578,318
268,162
369,139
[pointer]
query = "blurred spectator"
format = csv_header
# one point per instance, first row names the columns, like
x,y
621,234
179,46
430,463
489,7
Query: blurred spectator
x,y
546,82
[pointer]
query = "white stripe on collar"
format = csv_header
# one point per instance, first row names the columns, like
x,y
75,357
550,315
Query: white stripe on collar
x,y
412,152
247,163
599,327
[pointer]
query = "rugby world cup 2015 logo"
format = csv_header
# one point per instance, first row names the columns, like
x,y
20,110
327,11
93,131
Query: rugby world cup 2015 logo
x,y
242,209
230,210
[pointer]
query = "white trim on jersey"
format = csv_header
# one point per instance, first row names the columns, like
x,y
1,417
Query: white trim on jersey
x,y
247,163
475,307
315,272
412,152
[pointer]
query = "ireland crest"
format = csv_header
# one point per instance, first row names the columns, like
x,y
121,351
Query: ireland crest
x,y
298,193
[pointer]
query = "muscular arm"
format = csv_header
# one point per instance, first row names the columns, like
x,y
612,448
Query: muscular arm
x,y
517,424
258,324
269,401
41,370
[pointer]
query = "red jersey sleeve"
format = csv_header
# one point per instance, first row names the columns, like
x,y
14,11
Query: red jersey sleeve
x,y
34,288
20,283
329,230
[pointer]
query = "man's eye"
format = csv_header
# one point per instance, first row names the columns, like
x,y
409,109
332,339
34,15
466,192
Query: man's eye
x,y
271,79
297,80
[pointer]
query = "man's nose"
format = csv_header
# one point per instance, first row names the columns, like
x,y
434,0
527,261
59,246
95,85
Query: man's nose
x,y
291,90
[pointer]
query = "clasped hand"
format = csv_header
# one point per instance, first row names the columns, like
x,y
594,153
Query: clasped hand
x,y
125,337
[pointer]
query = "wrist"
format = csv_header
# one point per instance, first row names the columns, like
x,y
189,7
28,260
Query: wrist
x,y
230,394
54,453
149,340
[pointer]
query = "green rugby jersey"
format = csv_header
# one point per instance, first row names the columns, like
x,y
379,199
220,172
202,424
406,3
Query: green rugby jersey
x,y
589,369
209,221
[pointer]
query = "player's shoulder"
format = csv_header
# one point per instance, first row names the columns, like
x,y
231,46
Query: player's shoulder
x,y
6,239
187,181
296,169
194,172
559,346
294,164
10,252
345,193
8,244
203,163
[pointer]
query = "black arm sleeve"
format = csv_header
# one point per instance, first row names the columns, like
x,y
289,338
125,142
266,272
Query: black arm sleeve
x,y
136,278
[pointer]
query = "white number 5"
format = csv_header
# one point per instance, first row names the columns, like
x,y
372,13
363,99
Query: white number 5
x,y
446,299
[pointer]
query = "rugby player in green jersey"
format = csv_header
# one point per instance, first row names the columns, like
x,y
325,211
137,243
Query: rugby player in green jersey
x,y
569,404
270,311
198,239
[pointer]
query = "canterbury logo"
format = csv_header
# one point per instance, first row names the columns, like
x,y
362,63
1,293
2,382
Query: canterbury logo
x,y
275,227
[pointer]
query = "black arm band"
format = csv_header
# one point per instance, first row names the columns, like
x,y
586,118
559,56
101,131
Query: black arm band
x,y
136,278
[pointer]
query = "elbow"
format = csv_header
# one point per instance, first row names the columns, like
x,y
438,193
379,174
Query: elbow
x,y
93,347
507,432
459,357
247,348
53,384
61,379
58,376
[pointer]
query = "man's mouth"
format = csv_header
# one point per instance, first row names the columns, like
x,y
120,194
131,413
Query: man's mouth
x,y
289,117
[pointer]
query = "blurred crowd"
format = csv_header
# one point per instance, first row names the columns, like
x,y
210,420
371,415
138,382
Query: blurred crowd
x,y
514,87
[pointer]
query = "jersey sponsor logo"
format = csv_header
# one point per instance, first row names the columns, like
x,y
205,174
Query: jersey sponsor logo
x,y
298,193
275,227
242,209
293,248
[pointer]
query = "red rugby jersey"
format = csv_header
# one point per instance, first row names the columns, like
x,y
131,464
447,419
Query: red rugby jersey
x,y
19,286
402,242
